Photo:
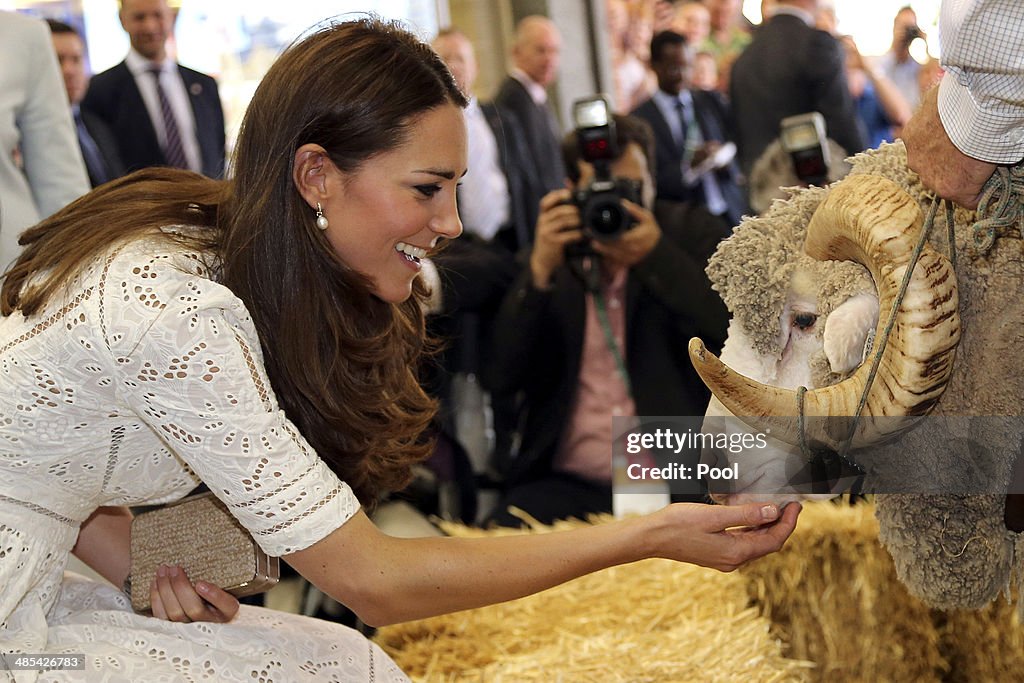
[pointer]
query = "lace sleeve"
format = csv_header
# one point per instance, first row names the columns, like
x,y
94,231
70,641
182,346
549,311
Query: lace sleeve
x,y
190,364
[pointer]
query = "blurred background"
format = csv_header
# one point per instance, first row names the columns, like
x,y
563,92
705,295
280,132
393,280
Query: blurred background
x,y
236,40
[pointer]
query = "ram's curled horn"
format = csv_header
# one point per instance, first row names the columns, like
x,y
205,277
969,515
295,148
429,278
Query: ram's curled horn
x,y
870,220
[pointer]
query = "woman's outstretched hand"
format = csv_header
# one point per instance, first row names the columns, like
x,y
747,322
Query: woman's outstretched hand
x,y
175,598
723,537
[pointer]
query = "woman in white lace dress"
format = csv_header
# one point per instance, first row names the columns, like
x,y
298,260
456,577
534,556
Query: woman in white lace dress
x,y
261,336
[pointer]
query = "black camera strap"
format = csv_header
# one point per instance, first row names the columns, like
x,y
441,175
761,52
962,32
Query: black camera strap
x,y
585,265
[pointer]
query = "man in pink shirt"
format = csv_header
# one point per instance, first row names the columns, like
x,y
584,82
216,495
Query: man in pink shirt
x,y
587,338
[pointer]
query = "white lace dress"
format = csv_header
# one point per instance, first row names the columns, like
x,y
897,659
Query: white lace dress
x,y
144,378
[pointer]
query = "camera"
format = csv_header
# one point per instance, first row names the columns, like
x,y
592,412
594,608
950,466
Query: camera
x,y
600,203
803,137
912,33
601,211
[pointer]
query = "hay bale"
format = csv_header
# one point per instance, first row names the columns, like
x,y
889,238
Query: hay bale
x,y
833,596
830,597
649,621
983,645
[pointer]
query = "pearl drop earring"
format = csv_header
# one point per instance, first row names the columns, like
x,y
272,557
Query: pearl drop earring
x,y
321,219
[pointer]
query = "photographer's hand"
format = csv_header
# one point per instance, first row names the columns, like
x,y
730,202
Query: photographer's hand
x,y
557,226
636,243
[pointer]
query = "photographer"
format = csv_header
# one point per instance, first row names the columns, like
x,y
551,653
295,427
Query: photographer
x,y
897,64
596,327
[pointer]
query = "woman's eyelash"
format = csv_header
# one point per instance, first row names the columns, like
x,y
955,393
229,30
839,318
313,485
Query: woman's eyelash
x,y
428,190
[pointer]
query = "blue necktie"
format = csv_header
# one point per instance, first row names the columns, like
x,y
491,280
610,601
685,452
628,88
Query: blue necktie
x,y
90,152
174,152
684,126
694,192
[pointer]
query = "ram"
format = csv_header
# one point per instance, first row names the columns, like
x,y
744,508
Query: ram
x,y
916,381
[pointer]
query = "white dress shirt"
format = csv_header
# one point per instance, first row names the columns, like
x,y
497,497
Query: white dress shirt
x,y
177,96
903,75
981,97
538,93
483,197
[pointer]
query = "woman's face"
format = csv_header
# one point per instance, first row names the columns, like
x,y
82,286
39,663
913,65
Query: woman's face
x,y
387,215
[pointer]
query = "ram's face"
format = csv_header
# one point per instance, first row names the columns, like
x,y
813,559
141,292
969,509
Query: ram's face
x,y
872,221
779,471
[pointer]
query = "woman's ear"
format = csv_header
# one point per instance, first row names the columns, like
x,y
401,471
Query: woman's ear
x,y
310,171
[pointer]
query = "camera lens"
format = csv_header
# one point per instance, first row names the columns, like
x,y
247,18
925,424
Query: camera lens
x,y
605,217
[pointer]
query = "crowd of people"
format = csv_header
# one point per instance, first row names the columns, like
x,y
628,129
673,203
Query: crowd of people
x,y
558,368
146,111
884,90
264,331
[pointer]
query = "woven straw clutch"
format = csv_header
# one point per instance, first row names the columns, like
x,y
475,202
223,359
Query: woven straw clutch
x,y
200,535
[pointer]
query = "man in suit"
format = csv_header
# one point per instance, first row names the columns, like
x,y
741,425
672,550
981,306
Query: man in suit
x,y
496,197
95,139
576,368
535,54
791,68
41,168
690,126
162,113
497,209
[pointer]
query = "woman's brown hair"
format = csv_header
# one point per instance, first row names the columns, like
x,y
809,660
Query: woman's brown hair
x,y
342,362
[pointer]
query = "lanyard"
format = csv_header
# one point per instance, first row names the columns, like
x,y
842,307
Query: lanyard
x,y
609,338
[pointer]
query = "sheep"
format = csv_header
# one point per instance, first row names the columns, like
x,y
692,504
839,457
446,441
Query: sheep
x,y
947,536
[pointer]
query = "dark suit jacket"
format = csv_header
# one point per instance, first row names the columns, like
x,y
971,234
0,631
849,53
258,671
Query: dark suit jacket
x,y
790,68
712,115
474,278
114,98
537,125
524,185
538,339
106,141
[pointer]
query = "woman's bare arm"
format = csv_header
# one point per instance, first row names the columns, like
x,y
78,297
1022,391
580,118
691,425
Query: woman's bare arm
x,y
385,579
104,543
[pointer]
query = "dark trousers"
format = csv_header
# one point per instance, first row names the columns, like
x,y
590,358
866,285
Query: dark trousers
x,y
558,496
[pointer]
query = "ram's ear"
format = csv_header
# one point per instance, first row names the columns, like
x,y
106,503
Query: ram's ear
x,y
846,332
